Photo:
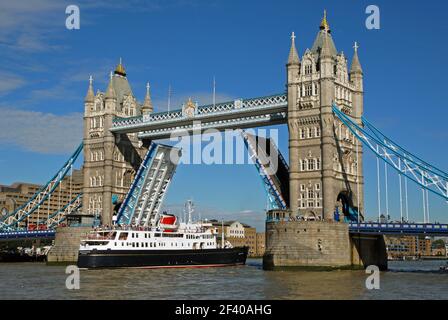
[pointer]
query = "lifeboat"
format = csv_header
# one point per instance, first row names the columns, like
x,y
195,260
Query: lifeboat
x,y
168,222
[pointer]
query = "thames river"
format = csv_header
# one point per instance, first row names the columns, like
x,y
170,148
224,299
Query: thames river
x,y
405,280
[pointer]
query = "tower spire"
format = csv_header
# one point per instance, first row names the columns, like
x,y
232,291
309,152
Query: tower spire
x,y
110,92
326,50
324,23
90,97
293,57
356,65
147,104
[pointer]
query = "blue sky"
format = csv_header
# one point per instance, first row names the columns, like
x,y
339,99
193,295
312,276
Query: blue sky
x,y
44,70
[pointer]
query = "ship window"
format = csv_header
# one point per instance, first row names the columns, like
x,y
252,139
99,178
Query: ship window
x,y
123,236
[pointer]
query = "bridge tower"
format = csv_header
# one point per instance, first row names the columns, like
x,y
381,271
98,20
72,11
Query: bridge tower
x,y
325,159
110,160
325,162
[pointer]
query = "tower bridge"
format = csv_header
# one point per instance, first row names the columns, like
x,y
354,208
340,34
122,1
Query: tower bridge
x,y
316,198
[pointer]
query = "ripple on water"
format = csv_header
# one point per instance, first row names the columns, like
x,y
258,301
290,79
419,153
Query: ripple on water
x,y
406,280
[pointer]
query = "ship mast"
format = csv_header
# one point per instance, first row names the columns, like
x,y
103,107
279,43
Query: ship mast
x,y
189,210
222,234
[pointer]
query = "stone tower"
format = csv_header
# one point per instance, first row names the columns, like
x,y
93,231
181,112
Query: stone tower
x,y
325,157
110,160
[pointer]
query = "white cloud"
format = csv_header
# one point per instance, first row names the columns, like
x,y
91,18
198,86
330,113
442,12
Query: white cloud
x,y
40,132
9,82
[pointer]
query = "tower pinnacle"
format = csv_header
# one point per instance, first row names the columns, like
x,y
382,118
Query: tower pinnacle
x,y
110,92
293,57
90,97
356,65
147,104
324,23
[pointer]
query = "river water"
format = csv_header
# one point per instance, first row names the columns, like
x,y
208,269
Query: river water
x,y
405,280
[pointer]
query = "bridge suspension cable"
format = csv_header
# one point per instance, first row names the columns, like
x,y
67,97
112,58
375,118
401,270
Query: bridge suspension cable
x,y
12,220
422,173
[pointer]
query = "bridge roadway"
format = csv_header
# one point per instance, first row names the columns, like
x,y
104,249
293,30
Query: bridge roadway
x,y
389,228
237,114
26,234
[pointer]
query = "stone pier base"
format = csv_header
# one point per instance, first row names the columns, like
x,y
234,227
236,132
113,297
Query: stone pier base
x,y
66,245
368,250
320,245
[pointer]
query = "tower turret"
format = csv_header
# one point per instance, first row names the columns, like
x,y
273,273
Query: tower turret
x,y
293,69
327,78
356,77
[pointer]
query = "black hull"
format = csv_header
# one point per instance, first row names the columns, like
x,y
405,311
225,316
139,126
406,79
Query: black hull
x,y
162,258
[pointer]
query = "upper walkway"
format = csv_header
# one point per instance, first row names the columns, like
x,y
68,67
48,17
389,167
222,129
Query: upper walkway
x,y
237,114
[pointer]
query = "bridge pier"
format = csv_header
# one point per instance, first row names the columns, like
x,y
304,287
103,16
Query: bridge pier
x,y
320,245
66,245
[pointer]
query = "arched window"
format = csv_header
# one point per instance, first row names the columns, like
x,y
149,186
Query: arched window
x,y
309,132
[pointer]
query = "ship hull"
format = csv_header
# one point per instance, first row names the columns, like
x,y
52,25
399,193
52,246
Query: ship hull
x,y
162,258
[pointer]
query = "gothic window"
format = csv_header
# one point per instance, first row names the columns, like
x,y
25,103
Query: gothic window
x,y
317,204
315,89
308,69
317,131
302,187
317,186
318,164
309,132
310,204
310,194
303,204
311,164
302,133
308,90
304,165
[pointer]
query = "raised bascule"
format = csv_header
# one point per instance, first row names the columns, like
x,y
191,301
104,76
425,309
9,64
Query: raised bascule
x,y
316,199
